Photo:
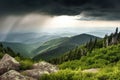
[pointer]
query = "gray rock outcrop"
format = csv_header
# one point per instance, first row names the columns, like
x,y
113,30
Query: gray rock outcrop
x,y
9,69
40,69
8,63
14,75
35,73
45,67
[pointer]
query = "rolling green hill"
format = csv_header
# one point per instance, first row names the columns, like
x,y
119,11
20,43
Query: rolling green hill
x,y
23,49
57,47
49,45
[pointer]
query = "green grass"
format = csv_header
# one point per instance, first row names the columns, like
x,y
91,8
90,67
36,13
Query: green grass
x,y
97,58
106,59
107,73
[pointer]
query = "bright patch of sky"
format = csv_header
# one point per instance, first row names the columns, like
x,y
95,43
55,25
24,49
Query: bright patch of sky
x,y
54,24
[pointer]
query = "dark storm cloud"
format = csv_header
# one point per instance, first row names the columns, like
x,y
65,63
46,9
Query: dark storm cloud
x,y
101,15
102,9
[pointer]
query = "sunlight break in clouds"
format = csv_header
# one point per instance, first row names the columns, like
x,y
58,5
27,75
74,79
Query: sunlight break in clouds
x,y
38,23
59,22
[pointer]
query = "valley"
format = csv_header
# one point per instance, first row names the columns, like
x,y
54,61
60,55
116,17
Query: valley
x,y
81,56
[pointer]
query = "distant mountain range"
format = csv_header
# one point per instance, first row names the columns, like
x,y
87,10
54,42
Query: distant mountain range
x,y
44,46
57,47
27,38
32,37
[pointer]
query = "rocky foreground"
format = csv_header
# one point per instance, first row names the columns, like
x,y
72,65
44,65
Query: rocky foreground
x,y
10,69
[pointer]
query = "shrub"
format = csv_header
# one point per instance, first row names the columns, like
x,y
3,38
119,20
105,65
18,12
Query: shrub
x,y
1,55
26,64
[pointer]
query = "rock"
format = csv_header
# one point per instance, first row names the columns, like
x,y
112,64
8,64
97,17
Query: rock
x,y
45,67
14,75
92,70
40,69
8,63
35,73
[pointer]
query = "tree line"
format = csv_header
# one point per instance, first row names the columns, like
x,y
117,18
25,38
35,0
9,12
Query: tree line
x,y
78,52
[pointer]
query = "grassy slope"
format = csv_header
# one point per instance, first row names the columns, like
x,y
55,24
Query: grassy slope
x,y
106,59
96,59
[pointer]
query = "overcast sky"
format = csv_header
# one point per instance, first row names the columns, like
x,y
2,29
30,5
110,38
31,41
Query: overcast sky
x,y
51,15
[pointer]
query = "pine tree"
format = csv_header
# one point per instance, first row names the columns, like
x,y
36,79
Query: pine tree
x,y
116,32
105,41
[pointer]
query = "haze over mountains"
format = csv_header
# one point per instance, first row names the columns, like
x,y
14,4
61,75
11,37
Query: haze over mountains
x,y
31,44
44,43
58,47
33,37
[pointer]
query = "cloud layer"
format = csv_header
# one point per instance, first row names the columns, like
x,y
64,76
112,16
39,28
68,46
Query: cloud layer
x,y
99,9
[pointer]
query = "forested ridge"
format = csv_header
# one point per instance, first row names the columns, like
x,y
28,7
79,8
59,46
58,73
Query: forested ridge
x,y
78,52
96,60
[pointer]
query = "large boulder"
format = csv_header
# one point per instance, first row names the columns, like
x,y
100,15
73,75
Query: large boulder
x,y
8,63
40,69
45,67
35,73
14,75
